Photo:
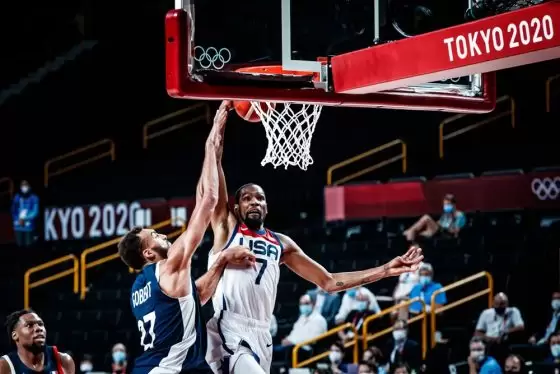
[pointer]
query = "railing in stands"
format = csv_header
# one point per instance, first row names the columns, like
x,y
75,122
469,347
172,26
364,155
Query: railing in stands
x,y
352,343
493,118
548,96
487,291
147,135
27,286
9,184
402,156
110,152
84,265
366,337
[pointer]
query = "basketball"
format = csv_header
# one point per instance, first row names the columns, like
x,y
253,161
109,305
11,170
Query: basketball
x,y
247,112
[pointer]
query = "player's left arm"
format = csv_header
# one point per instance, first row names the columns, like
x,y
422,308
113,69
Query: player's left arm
x,y
67,363
294,257
207,283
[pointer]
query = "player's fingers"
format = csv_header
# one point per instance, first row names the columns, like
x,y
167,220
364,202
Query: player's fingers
x,y
410,251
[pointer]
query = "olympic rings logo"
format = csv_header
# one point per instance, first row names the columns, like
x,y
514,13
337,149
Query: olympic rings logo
x,y
546,188
453,80
212,57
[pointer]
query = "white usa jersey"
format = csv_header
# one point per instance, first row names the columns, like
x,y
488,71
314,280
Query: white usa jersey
x,y
250,292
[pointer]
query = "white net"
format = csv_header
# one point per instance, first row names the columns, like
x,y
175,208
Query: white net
x,y
289,128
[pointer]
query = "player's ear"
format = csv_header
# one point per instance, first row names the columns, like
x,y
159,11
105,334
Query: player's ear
x,y
14,336
149,254
236,209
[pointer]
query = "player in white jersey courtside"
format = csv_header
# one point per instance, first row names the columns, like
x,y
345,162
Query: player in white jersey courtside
x,y
239,340
165,300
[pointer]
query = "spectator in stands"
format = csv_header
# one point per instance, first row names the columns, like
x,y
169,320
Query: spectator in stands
x,y
450,223
497,325
119,365
402,350
310,324
514,364
554,356
357,316
353,300
336,357
401,369
374,356
367,368
425,289
553,326
326,304
406,283
86,365
25,209
479,361
273,326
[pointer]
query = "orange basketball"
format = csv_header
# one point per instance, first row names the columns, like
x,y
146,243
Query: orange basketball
x,y
246,111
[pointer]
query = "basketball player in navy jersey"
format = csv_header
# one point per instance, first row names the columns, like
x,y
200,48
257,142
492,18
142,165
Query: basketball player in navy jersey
x,y
239,337
27,331
165,300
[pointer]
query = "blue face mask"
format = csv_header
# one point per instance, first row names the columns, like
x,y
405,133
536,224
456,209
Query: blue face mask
x,y
555,350
424,279
119,356
305,309
361,306
352,293
447,208
555,304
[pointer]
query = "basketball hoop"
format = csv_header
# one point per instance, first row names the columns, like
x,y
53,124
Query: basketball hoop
x,y
289,127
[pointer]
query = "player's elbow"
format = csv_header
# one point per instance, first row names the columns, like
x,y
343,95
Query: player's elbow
x,y
209,200
328,284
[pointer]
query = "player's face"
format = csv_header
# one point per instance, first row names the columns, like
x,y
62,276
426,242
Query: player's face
x,y
252,208
30,332
155,245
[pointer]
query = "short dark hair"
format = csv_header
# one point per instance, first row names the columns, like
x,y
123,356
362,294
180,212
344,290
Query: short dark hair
x,y
477,339
450,197
340,345
372,367
130,249
13,319
240,189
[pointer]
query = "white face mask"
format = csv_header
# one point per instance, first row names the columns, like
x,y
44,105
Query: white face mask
x,y
477,355
399,335
335,357
24,189
86,367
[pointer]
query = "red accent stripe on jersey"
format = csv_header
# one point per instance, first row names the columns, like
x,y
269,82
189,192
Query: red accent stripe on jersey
x,y
58,360
245,231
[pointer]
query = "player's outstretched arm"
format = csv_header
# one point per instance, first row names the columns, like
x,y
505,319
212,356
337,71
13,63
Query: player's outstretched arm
x,y
183,248
307,268
207,283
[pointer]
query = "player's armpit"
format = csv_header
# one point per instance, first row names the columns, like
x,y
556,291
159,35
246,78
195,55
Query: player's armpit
x,y
5,367
67,363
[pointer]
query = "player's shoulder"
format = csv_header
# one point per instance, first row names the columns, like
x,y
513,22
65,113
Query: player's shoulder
x,y
4,365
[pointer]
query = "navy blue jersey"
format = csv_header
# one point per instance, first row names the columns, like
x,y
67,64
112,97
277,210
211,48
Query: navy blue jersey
x,y
51,365
172,332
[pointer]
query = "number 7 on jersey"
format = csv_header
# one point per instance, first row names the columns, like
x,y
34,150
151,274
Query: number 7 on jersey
x,y
263,263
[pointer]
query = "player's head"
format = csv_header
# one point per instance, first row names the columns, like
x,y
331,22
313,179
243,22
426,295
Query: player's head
x,y
449,203
250,205
26,329
143,246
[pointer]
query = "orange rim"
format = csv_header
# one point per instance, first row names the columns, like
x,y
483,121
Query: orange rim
x,y
276,70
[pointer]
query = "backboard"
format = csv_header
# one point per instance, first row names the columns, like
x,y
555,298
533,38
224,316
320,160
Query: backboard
x,y
348,52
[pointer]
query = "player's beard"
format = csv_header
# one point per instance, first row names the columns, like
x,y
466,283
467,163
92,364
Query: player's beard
x,y
253,223
35,348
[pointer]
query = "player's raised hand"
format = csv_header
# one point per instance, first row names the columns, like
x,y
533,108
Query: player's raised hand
x,y
406,263
240,256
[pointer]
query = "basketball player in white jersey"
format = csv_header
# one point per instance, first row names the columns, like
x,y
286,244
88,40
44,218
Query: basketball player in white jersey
x,y
239,340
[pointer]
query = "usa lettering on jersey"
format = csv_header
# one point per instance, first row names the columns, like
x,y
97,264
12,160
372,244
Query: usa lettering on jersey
x,y
262,248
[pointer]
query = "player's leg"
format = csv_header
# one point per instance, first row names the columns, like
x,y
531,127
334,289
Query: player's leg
x,y
246,363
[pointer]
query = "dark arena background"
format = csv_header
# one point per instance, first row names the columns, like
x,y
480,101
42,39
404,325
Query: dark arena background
x,y
88,125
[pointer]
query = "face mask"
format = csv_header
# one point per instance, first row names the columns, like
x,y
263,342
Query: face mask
x,y
478,356
555,350
447,208
361,306
305,309
424,279
335,357
24,189
119,356
352,293
399,335
555,304
86,367
500,310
